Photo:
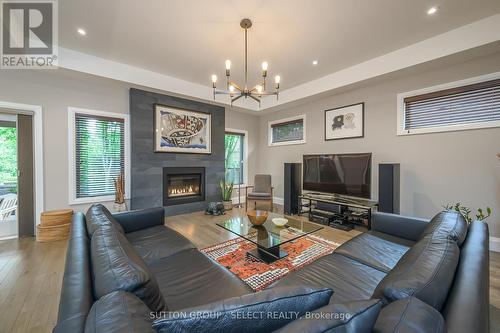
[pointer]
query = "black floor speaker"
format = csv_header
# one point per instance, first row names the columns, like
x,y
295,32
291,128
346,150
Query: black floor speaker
x,y
293,188
388,188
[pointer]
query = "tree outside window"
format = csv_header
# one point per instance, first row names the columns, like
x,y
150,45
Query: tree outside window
x,y
233,144
8,160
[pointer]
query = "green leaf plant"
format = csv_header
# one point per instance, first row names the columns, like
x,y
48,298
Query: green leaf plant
x,y
226,190
466,212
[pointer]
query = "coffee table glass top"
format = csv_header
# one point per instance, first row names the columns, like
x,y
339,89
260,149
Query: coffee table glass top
x,y
269,235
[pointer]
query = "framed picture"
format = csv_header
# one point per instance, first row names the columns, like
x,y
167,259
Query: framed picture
x,y
345,122
182,131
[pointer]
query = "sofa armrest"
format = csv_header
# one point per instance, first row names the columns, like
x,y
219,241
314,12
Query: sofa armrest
x,y
398,225
140,219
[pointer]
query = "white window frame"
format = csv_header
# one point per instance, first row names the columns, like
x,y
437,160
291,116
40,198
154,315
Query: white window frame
x,y
284,120
245,153
447,128
72,111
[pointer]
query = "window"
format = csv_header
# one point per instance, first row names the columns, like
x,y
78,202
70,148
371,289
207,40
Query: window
x,y
287,131
98,144
461,106
234,144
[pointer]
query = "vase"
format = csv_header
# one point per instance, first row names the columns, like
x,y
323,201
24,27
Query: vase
x,y
228,205
119,207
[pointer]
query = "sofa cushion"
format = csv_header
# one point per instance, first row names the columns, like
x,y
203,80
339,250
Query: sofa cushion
x,y
255,312
373,251
426,271
158,242
259,195
98,216
116,266
118,312
393,239
352,317
189,278
450,223
409,315
350,279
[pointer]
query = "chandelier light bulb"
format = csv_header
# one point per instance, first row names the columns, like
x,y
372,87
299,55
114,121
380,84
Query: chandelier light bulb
x,y
228,64
265,65
214,78
231,88
259,89
277,79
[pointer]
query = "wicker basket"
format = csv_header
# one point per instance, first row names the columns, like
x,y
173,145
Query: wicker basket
x,y
52,233
54,225
56,217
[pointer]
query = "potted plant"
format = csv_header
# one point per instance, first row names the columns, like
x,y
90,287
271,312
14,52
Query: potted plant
x,y
226,190
466,212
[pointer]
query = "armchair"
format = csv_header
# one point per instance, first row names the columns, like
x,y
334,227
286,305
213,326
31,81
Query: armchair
x,y
262,190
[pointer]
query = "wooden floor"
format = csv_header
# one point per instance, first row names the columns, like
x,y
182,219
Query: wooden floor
x,y
31,273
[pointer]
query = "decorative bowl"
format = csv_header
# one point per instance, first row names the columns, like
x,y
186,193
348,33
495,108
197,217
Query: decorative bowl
x,y
257,217
280,221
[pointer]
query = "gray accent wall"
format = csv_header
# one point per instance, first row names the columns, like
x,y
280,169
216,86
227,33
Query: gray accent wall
x,y
147,165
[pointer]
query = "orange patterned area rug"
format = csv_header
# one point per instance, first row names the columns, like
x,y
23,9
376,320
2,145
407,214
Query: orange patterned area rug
x,y
257,274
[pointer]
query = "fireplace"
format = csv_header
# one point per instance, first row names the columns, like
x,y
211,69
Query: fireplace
x,y
183,185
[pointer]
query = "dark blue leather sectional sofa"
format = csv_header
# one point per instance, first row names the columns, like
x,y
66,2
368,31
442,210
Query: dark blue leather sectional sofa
x,y
405,275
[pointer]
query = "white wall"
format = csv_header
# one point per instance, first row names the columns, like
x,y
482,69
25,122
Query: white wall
x,y
435,168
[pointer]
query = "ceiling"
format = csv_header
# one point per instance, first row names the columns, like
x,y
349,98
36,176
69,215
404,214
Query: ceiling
x,y
190,40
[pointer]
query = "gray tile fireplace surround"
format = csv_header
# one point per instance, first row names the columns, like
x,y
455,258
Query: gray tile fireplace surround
x,y
147,166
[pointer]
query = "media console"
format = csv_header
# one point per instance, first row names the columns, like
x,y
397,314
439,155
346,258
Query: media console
x,y
336,211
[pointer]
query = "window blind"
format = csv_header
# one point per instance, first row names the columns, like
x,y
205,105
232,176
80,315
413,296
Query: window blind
x,y
99,154
475,103
288,131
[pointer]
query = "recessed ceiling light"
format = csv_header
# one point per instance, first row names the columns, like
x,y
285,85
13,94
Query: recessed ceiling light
x,y
432,10
81,31
315,62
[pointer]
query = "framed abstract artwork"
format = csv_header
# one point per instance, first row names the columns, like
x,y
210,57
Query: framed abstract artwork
x,y
182,131
345,122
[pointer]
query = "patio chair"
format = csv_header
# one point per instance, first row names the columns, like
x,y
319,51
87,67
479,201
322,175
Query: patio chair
x,y
8,205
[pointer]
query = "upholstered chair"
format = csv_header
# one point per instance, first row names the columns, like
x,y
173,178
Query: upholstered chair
x,y
262,190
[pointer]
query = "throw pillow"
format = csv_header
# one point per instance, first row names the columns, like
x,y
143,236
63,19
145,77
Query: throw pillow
x,y
263,311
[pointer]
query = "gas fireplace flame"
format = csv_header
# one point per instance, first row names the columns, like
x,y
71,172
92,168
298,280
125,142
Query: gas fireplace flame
x,y
176,191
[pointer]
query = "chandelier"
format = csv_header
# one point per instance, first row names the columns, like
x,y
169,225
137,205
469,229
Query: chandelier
x,y
236,91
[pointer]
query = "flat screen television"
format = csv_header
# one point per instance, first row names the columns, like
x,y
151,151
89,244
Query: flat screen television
x,y
346,174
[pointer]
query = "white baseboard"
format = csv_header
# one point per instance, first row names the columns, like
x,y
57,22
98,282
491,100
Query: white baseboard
x,y
278,201
495,244
8,237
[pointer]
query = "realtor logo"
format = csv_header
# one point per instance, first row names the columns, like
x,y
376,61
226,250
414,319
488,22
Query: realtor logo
x,y
29,34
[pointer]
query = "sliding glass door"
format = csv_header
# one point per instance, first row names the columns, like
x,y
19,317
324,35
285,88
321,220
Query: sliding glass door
x,y
8,176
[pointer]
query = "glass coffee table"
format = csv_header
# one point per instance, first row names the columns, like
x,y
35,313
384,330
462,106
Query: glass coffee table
x,y
268,237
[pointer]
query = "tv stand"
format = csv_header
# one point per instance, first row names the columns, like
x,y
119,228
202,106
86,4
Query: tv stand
x,y
336,211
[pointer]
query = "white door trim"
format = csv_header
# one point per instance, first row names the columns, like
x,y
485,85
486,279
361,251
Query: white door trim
x,y
36,111
495,244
